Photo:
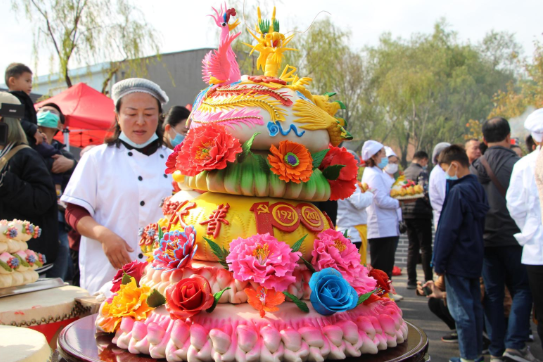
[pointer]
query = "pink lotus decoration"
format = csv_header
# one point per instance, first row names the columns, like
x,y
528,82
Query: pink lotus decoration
x,y
176,249
263,260
332,250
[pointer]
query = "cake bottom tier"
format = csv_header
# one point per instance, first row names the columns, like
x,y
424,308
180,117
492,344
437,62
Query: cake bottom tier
x,y
238,333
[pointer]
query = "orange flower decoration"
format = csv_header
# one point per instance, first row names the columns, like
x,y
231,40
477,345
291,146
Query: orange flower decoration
x,y
130,301
264,300
291,162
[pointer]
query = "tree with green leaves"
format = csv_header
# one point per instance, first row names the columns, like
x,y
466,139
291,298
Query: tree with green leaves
x,y
89,31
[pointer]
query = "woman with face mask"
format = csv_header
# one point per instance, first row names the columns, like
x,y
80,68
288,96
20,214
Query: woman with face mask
x,y
392,167
175,126
383,219
117,187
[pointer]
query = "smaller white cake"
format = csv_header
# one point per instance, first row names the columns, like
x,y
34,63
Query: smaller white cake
x,y
23,345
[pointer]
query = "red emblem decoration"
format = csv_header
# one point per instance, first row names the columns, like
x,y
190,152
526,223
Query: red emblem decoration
x,y
286,217
217,217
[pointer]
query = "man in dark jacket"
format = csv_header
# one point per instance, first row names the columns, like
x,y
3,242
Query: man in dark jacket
x,y
459,250
418,219
502,261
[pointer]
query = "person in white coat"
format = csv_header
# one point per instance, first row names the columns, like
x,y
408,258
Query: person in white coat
x,y
352,217
117,188
382,213
524,207
438,183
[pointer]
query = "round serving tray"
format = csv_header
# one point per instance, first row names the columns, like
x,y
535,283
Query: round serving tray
x,y
79,342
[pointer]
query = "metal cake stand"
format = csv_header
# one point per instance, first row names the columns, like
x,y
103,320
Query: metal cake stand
x,y
79,342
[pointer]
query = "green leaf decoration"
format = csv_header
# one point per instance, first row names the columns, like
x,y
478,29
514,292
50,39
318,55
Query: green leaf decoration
x,y
330,94
160,233
341,104
5,266
308,265
318,157
22,261
155,299
346,233
246,147
297,245
216,298
126,279
364,297
302,305
220,253
332,172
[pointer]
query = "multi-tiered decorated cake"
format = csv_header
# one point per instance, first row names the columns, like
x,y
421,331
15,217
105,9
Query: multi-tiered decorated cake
x,y
18,264
247,268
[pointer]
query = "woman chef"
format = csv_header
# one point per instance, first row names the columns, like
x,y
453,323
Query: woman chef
x,y
117,187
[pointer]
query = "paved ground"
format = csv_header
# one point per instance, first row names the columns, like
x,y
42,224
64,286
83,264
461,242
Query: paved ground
x,y
415,309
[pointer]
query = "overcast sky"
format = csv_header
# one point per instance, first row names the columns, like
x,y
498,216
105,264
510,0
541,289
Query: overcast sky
x,y
183,24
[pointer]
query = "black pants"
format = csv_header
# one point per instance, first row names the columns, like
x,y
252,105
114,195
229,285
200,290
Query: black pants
x,y
535,275
382,253
419,233
438,307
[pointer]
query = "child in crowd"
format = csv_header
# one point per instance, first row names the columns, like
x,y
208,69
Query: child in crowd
x,y
459,250
18,78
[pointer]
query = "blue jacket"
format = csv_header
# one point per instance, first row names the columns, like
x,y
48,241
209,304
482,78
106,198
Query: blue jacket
x,y
459,245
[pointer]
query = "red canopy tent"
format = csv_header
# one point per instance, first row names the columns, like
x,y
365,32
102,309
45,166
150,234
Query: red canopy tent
x,y
89,114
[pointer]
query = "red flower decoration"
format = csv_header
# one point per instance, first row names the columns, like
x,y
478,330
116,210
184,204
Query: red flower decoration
x,y
135,269
172,159
205,149
188,297
345,184
384,284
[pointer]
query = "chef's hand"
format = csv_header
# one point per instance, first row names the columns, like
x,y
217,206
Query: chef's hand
x,y
61,164
115,248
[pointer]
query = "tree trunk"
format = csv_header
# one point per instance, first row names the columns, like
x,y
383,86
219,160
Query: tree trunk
x,y
68,79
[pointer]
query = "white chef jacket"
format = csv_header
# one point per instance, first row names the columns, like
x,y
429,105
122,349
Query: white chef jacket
x,y
382,217
523,205
438,186
122,190
390,182
352,212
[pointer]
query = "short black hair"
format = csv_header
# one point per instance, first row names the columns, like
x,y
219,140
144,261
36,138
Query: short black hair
x,y
420,155
15,70
496,129
454,153
54,105
175,115
530,144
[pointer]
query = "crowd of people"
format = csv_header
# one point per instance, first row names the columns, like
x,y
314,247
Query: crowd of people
x,y
481,199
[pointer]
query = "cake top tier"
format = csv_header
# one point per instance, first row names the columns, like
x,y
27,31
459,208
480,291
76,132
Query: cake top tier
x,y
262,135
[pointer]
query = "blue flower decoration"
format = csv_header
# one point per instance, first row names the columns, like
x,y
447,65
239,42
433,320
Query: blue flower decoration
x,y
31,229
176,250
273,129
12,233
31,259
331,293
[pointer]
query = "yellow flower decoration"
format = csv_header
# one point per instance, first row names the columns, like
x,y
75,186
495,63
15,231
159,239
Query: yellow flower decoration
x,y
130,301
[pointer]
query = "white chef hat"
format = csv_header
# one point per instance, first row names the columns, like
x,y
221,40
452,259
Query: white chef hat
x,y
437,150
390,152
370,148
138,85
534,124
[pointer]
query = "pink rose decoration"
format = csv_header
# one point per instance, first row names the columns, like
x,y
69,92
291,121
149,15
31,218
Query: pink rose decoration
x,y
263,260
332,250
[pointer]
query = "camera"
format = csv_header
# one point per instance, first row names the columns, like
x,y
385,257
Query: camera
x,y
12,111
